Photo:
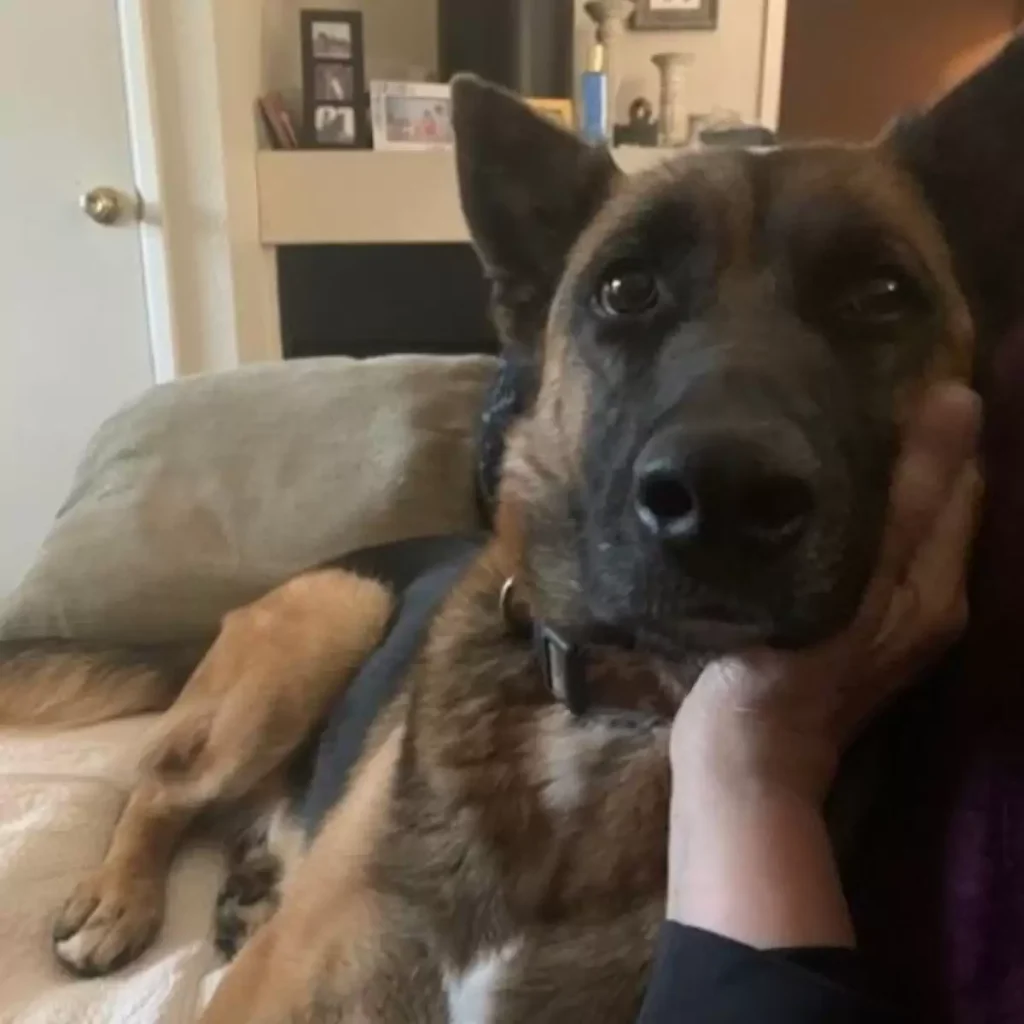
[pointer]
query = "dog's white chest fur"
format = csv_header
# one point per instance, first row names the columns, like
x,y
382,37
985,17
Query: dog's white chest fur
x,y
471,994
567,752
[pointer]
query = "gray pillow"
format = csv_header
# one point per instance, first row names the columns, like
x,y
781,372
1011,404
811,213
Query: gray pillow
x,y
209,491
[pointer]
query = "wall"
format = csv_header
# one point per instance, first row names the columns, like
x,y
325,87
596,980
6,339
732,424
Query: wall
x,y
726,73
851,65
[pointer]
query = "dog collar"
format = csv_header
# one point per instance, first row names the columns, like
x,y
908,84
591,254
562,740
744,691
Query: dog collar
x,y
562,661
563,666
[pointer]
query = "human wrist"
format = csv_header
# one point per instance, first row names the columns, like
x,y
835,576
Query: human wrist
x,y
755,865
717,746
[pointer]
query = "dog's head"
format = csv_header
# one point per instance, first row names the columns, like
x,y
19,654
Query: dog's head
x,y
726,348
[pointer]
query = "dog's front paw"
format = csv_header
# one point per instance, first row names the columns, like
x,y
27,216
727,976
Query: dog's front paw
x,y
109,920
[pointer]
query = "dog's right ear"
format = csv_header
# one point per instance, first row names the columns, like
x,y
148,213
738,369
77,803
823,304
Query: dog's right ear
x,y
528,190
967,154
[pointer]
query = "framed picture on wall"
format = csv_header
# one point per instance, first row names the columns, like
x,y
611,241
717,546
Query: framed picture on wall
x,y
335,112
658,15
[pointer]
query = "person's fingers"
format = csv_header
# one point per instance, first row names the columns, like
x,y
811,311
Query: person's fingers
x,y
938,571
940,440
929,606
942,437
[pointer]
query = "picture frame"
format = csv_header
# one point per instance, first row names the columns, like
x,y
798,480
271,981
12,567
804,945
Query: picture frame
x,y
335,113
662,15
412,116
561,111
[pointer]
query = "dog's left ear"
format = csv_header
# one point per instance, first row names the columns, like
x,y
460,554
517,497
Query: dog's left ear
x,y
528,190
967,154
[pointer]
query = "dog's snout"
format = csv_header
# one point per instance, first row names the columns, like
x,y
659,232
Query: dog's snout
x,y
698,488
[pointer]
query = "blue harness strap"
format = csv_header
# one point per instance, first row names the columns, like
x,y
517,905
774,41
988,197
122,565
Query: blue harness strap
x,y
380,677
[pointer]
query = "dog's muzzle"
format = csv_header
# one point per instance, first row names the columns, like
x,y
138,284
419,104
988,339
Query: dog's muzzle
x,y
705,490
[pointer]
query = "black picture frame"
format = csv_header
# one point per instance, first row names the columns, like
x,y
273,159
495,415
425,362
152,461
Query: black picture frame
x,y
646,17
335,114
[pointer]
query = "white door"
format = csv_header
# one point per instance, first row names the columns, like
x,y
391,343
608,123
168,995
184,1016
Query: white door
x,y
74,341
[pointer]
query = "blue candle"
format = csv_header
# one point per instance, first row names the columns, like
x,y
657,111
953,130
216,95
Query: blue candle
x,y
594,120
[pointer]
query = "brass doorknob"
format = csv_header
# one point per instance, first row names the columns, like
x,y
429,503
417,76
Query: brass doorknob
x,y
107,206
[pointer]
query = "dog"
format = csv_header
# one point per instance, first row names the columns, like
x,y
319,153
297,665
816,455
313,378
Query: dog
x,y
715,360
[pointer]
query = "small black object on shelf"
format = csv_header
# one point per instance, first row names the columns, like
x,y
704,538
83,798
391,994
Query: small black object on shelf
x,y
641,129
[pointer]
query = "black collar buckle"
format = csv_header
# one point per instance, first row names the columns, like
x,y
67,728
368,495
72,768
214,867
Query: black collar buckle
x,y
563,665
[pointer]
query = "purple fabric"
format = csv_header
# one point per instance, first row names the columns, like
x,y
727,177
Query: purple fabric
x,y
938,893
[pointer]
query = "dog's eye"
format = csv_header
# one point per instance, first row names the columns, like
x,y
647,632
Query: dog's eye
x,y
627,290
880,300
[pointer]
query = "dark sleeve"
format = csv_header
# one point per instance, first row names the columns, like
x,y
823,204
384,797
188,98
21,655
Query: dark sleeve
x,y
702,978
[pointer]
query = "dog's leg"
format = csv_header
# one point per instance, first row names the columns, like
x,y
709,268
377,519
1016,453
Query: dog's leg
x,y
115,912
268,679
324,954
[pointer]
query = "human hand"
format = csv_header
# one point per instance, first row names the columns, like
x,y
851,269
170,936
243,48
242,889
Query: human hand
x,y
782,719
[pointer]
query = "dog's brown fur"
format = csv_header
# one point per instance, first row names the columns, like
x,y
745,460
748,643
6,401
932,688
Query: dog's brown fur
x,y
482,825
47,682
349,944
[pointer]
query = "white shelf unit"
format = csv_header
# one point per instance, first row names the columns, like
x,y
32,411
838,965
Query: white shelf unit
x,y
360,196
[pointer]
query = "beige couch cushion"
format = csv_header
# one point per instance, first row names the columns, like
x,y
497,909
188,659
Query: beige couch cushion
x,y
211,490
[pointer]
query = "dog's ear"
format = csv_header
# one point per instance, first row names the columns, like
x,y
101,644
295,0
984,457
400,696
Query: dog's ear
x,y
967,154
528,190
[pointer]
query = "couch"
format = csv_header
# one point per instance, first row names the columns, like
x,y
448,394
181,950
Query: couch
x,y
201,496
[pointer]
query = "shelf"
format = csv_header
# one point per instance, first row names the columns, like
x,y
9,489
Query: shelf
x,y
360,197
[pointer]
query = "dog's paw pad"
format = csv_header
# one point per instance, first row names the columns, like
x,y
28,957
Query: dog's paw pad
x,y
238,922
249,895
108,921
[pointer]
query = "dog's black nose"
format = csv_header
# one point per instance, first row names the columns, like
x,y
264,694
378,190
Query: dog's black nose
x,y
721,487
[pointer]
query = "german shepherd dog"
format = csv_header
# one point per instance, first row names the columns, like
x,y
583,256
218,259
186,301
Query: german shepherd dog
x,y
717,358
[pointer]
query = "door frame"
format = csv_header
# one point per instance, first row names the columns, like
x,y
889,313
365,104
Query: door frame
x,y
773,49
192,72
145,139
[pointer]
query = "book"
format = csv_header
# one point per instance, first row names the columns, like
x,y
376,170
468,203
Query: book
x,y
278,121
